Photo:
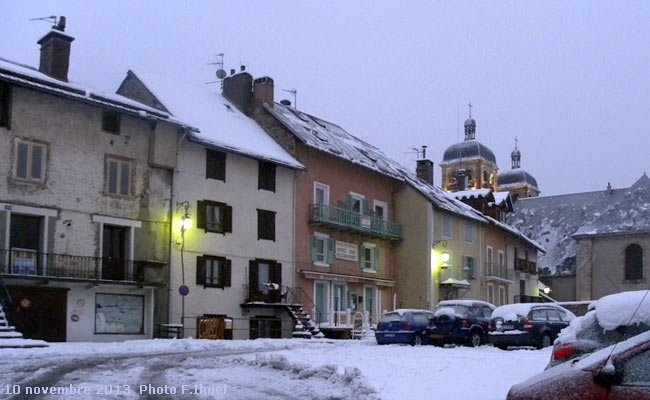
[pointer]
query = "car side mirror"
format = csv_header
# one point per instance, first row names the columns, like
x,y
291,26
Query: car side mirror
x,y
606,376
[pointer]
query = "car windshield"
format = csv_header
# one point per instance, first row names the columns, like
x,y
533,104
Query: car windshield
x,y
455,309
392,317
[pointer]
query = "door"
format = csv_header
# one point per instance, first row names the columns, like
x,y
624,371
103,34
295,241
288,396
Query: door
x,y
338,303
321,300
265,281
208,327
114,252
40,312
24,241
370,303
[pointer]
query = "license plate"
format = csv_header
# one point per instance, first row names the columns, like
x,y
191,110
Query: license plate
x,y
504,327
389,335
435,336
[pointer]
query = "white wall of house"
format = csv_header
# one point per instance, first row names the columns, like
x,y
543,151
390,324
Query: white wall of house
x,y
531,280
240,191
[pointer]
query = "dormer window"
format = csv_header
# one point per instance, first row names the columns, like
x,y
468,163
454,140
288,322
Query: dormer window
x,y
111,122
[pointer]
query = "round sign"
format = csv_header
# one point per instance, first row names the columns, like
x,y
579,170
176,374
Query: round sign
x,y
25,303
184,290
74,318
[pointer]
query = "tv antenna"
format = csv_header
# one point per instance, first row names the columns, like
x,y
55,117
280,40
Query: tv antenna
x,y
221,73
294,92
57,23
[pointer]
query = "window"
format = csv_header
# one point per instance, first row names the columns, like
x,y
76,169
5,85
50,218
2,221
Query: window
x,y
213,271
469,267
369,257
30,161
447,224
265,327
215,165
538,315
636,371
553,315
119,174
213,216
321,193
469,232
266,176
356,203
490,293
111,122
380,210
322,250
119,314
338,297
5,104
501,259
265,224
502,295
490,260
633,262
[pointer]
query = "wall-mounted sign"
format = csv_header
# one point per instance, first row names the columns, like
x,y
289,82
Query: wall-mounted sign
x,y
74,318
366,221
346,251
184,290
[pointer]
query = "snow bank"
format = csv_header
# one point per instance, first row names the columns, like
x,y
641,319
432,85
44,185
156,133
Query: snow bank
x,y
619,309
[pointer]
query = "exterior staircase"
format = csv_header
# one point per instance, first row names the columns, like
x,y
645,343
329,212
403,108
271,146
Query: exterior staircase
x,y
305,327
10,338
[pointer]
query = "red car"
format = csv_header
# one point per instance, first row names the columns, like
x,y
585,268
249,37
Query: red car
x,y
624,375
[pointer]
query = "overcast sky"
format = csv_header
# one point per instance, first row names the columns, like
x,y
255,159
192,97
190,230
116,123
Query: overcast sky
x,y
571,79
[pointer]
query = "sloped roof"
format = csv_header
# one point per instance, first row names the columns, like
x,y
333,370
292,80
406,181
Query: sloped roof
x,y
219,123
471,194
466,150
24,75
515,177
331,138
555,221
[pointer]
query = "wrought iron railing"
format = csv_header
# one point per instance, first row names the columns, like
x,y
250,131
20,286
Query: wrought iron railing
x,y
496,271
364,224
30,263
525,266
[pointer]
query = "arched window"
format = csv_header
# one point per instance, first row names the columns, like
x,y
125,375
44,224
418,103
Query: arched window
x,y
633,262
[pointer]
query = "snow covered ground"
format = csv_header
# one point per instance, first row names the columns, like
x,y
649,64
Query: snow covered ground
x,y
274,369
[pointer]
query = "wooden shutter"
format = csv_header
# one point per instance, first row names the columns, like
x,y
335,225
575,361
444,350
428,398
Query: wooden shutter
x,y
252,276
200,214
5,105
200,270
271,225
227,218
365,207
348,201
330,251
277,273
362,257
314,248
376,263
227,267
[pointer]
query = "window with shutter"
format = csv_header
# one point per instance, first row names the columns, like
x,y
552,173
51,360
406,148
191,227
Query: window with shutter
x,y
119,176
213,216
266,176
369,257
215,165
213,271
5,104
265,225
322,250
30,161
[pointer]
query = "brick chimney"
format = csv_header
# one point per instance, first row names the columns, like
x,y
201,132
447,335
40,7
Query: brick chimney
x,y
424,170
263,91
55,52
238,89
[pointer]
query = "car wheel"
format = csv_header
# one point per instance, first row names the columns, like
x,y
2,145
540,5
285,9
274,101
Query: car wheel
x,y
475,339
416,341
546,341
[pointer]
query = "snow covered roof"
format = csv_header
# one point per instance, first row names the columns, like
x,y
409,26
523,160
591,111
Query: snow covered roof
x,y
466,150
331,138
24,75
555,221
467,303
472,194
402,311
515,177
500,197
219,123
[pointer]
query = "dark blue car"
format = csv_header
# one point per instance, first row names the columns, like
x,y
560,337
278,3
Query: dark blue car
x,y
403,326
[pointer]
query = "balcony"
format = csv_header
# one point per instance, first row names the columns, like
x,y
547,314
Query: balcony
x,y
520,298
525,266
350,221
29,264
497,273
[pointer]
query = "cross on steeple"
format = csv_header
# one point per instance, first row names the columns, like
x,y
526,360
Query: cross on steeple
x,y
516,141
470,109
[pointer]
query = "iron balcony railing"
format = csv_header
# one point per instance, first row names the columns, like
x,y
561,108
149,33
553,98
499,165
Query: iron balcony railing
x,y
493,271
357,222
29,263
525,266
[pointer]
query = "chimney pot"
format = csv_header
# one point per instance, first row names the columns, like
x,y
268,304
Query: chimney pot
x,y
232,71
242,68
55,52
263,90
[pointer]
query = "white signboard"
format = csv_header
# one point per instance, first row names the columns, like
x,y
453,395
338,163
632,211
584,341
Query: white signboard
x,y
347,251
366,221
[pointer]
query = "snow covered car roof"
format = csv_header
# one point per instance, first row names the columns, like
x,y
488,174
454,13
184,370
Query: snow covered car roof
x,y
467,303
512,312
402,311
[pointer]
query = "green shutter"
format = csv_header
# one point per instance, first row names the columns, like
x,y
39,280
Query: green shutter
x,y
348,201
330,251
362,257
314,245
376,261
365,207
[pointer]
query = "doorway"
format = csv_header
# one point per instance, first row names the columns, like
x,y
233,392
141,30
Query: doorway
x,y
40,312
114,252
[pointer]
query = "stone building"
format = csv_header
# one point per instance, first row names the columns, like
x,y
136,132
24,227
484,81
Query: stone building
x,y
596,240
84,204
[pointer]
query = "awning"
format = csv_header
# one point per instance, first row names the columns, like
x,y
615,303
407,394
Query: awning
x,y
346,278
456,283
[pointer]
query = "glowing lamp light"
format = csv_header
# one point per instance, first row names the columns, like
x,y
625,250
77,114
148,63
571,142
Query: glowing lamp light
x,y
186,222
547,290
444,257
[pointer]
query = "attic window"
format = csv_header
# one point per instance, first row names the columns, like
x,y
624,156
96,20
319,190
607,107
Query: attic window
x,y
111,122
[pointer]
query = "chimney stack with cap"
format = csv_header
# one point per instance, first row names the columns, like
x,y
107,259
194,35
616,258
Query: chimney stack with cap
x,y
55,52
424,168
263,90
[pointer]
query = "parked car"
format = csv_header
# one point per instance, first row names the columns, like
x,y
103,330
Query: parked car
x,y
403,326
623,375
612,319
527,324
460,322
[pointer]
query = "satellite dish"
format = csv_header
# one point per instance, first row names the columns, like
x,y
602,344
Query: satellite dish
x,y
221,74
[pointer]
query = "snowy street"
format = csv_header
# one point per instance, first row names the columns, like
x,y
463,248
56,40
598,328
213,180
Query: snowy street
x,y
274,369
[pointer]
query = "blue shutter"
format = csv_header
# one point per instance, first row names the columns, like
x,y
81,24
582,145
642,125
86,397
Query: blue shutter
x,y
330,251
